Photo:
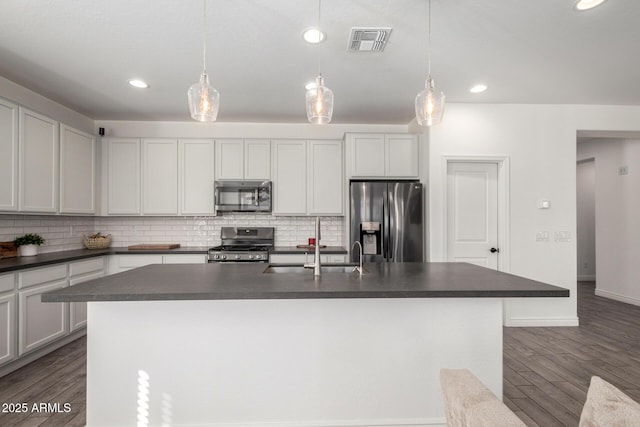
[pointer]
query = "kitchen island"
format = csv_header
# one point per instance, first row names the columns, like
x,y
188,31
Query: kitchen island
x,y
229,345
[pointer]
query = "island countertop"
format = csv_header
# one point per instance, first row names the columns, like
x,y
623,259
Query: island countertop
x,y
247,281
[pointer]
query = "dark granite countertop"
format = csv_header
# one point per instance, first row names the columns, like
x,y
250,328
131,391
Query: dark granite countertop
x,y
20,263
294,250
247,281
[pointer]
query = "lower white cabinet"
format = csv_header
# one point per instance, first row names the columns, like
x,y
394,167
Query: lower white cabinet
x,y
79,272
7,327
184,259
120,263
40,322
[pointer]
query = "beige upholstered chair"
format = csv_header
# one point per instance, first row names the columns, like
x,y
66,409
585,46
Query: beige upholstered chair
x,y
468,403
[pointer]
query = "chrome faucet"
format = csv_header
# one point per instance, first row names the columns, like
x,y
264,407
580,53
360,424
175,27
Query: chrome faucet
x,y
316,263
359,268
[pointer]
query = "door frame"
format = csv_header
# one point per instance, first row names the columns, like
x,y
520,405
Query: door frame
x,y
504,219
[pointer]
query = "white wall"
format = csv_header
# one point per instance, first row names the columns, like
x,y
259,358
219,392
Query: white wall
x,y
540,141
586,219
617,216
33,101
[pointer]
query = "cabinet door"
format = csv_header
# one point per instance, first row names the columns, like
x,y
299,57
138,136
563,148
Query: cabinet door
x,y
289,170
8,156
38,154
367,155
78,310
160,176
401,154
7,328
184,259
77,171
196,176
123,176
324,171
40,322
257,159
229,159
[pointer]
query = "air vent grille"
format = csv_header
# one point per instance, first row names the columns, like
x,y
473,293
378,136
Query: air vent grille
x,y
368,39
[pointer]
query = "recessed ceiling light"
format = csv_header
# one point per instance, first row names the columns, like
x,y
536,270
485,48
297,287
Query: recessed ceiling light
x,y
141,84
587,4
313,35
478,88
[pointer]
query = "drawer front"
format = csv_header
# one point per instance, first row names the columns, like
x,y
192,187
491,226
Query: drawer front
x,y
7,282
184,259
78,268
134,261
41,275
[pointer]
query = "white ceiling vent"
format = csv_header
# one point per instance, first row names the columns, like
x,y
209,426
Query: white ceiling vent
x,y
368,39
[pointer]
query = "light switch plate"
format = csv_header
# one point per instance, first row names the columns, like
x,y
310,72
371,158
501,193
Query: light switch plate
x,y
542,236
544,204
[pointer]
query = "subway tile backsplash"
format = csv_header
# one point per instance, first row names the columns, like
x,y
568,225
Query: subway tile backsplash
x,y
66,232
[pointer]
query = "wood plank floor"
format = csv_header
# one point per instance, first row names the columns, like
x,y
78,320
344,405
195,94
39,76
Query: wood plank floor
x,y
546,370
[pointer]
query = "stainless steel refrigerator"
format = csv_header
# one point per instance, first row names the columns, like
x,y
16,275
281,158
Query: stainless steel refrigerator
x,y
387,219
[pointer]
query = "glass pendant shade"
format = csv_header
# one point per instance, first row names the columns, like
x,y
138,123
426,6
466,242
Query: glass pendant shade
x,y
429,105
319,103
204,100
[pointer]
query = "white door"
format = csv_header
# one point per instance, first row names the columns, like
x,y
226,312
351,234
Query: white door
x,y
472,213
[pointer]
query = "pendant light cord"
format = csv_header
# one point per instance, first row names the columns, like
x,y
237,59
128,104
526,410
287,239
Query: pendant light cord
x,y
429,42
204,36
320,33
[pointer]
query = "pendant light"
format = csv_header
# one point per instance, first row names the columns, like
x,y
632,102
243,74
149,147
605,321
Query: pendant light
x,y
429,102
319,97
204,100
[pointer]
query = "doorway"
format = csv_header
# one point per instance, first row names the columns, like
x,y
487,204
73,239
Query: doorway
x,y
586,220
476,211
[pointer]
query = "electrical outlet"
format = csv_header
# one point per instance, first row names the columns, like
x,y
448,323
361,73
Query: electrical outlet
x,y
623,170
542,236
562,236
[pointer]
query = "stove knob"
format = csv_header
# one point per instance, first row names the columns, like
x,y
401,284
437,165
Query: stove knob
x,y
251,256
216,256
237,257
223,256
258,256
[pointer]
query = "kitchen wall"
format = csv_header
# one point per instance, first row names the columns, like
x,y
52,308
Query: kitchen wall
x,y
617,208
66,232
540,142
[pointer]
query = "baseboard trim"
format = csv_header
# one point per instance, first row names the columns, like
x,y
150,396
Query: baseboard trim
x,y
617,297
521,322
430,422
587,278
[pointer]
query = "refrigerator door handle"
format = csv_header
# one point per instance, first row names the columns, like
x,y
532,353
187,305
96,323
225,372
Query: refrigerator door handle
x,y
385,226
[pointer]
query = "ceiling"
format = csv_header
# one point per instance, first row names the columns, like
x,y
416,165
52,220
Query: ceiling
x,y
82,53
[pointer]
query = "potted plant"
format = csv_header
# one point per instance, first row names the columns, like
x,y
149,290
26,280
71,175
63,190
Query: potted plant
x,y
28,244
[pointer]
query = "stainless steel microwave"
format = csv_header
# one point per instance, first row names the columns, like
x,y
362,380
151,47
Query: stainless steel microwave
x,y
242,196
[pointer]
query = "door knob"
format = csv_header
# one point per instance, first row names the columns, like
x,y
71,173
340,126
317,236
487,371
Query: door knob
x,y
494,250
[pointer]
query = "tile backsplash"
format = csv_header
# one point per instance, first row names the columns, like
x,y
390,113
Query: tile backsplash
x,y
66,232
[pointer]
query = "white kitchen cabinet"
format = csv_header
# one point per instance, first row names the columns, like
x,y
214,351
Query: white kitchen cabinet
x,y
123,177
41,322
77,171
8,156
383,155
243,159
196,176
7,327
79,272
300,259
184,259
120,263
160,177
289,171
325,178
38,149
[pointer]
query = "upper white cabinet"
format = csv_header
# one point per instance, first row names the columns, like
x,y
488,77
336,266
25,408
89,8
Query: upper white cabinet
x,y
196,176
307,177
38,158
77,171
289,164
383,155
243,159
160,176
8,156
123,176
325,178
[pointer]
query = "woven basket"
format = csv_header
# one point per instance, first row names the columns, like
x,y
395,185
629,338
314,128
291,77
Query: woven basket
x,y
101,242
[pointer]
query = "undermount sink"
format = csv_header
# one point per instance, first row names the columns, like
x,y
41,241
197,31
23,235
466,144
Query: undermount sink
x,y
298,269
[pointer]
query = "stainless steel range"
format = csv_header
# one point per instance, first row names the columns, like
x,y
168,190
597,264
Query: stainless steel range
x,y
243,244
